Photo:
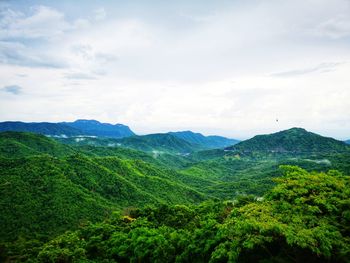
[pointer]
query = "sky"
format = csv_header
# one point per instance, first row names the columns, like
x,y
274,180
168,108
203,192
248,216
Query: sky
x,y
233,68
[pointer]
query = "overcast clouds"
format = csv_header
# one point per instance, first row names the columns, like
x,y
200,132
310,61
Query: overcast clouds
x,y
217,67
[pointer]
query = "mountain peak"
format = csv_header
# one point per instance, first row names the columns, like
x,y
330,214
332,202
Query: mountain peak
x,y
296,130
96,128
294,140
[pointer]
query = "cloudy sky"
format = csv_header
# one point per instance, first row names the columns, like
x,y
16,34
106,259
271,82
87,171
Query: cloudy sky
x,y
217,67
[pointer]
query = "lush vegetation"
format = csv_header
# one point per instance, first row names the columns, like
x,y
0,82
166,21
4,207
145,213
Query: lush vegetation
x,y
64,192
209,142
295,140
305,218
20,144
159,143
142,201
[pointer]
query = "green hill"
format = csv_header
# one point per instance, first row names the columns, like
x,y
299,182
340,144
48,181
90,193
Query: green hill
x,y
207,142
20,144
40,192
159,142
23,144
38,198
47,187
295,140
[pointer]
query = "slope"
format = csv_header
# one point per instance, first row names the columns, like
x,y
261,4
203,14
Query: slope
x,y
20,144
294,140
60,193
159,142
207,142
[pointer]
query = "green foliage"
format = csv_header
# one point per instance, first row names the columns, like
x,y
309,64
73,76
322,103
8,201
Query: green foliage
x,y
301,219
21,144
40,192
47,188
295,140
305,218
38,199
207,142
159,143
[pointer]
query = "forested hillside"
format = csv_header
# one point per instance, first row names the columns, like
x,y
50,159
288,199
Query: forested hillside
x,y
160,198
295,140
160,142
209,142
20,144
305,218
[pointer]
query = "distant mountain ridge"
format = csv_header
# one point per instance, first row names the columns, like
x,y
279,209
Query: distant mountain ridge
x,y
76,128
46,128
209,142
96,128
295,140
173,142
182,141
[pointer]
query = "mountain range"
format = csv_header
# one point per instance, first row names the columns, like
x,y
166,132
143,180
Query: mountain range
x,y
68,129
46,128
182,142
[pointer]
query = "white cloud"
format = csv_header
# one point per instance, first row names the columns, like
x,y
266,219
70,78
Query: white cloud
x,y
100,14
208,70
17,53
45,22
335,27
321,68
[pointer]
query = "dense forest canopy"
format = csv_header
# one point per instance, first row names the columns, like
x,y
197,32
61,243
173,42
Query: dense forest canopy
x,y
68,200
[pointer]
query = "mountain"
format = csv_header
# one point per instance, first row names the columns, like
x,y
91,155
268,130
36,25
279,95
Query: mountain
x,y
159,142
46,128
48,187
96,128
68,129
294,140
347,141
207,142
